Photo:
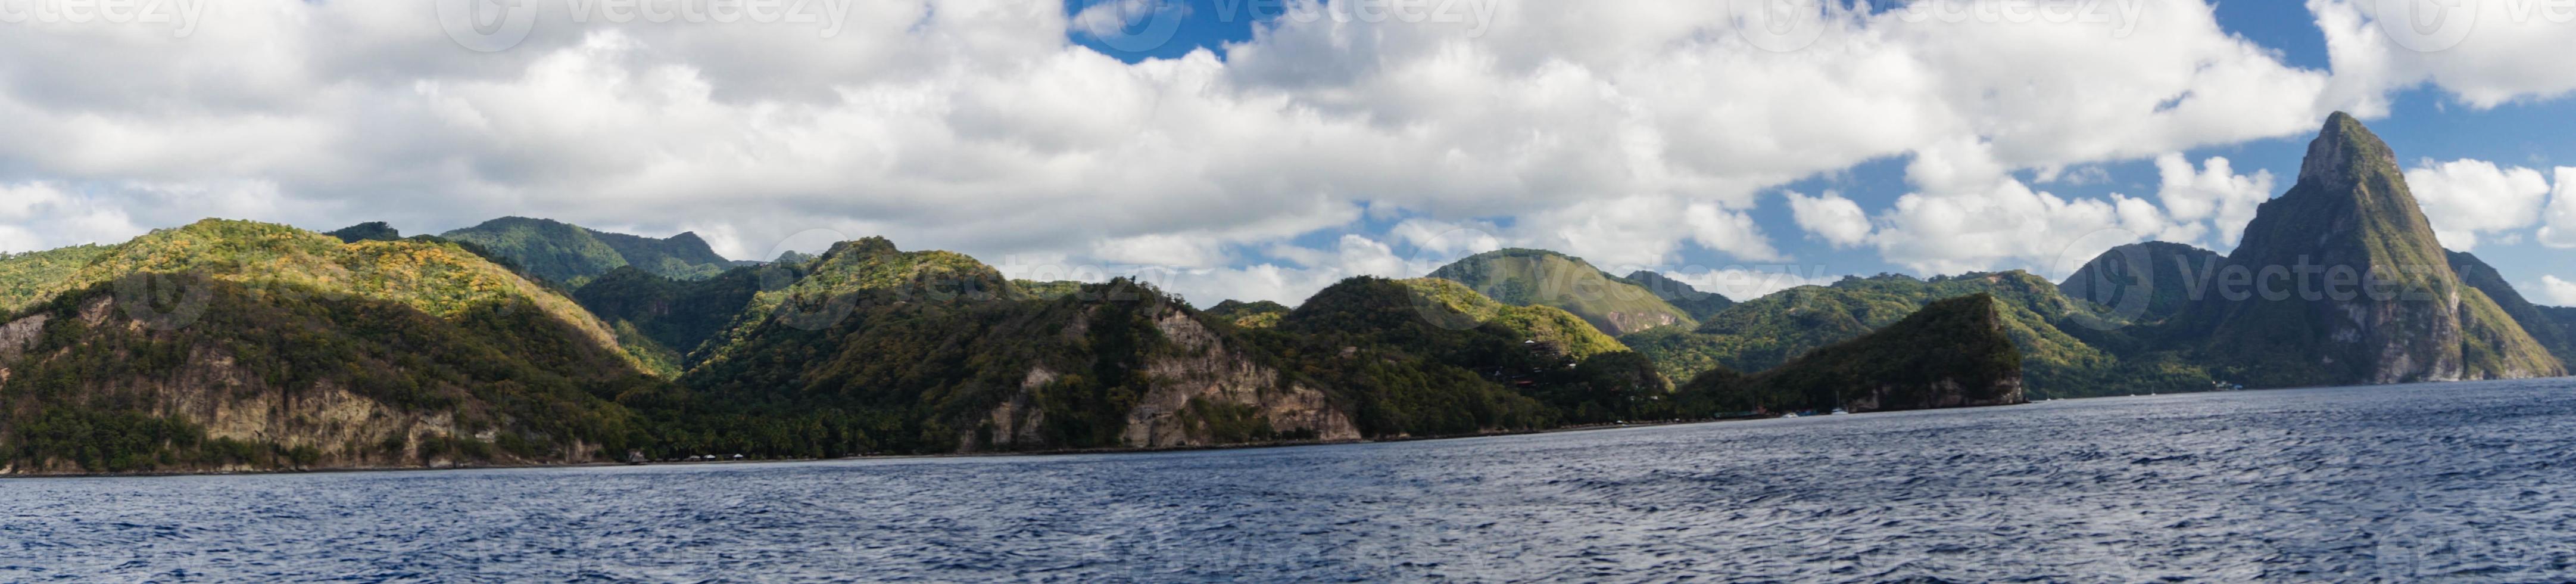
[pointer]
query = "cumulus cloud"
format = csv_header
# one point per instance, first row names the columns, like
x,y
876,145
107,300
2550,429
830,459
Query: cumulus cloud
x,y
1743,283
2558,225
2466,198
1628,132
2485,53
1831,217
2558,292
2212,193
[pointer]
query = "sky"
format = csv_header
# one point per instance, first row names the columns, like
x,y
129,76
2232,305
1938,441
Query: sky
x,y
1263,149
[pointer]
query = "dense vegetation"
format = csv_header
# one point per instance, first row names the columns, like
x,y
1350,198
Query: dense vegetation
x,y
1430,357
572,255
1257,314
2146,282
2073,349
228,344
1699,305
227,310
678,317
32,277
1951,353
2351,209
1529,277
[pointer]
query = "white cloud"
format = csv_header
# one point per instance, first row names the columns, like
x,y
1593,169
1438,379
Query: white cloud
x,y
2466,198
1621,132
2213,193
34,215
1831,217
2559,292
2484,52
1743,283
2558,224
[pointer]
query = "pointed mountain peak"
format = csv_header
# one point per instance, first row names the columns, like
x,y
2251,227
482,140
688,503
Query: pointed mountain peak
x,y
2342,152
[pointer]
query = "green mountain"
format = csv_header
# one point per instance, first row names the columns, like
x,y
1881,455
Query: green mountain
x,y
1432,357
673,317
2073,348
2350,286
877,349
1952,353
370,231
32,277
1692,301
1529,277
572,255
2147,282
1259,314
2553,333
238,345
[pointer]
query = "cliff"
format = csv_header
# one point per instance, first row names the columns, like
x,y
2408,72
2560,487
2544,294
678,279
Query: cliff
x,y
882,350
2341,281
229,345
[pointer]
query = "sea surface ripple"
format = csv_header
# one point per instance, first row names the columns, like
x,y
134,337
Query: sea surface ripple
x,y
2465,482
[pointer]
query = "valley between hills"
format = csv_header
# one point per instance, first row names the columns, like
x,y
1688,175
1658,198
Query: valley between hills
x,y
230,346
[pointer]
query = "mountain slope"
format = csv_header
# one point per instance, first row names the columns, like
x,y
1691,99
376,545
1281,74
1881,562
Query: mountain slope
x,y
677,317
2552,333
1528,277
876,349
2351,218
2072,347
1431,357
1699,305
1952,353
228,344
2149,282
572,255
32,277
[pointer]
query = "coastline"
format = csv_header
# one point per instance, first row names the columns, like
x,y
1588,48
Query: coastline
x,y
1056,452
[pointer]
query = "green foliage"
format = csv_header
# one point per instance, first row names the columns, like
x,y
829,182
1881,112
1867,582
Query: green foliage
x,y
415,326
572,255
2352,209
1952,353
1681,295
677,316
34,277
2151,281
1047,290
370,231
1528,277
2553,334
1254,315
2062,338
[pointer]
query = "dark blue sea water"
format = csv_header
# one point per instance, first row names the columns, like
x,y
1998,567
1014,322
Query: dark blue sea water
x,y
2471,482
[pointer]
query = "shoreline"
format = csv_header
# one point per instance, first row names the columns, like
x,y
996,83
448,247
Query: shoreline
x,y
1031,453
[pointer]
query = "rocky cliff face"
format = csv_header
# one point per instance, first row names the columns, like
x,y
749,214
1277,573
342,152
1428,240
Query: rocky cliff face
x,y
238,346
1200,391
2341,281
